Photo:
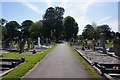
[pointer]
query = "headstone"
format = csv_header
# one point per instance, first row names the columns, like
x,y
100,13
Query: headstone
x,y
32,44
78,42
106,42
93,45
11,45
39,45
102,40
86,42
3,44
46,40
116,47
98,44
88,46
1,55
22,43
28,42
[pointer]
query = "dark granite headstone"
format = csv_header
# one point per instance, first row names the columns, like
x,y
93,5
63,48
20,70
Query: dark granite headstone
x,y
116,47
102,40
28,42
93,45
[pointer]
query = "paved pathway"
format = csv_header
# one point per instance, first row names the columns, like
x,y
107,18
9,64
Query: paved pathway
x,y
59,63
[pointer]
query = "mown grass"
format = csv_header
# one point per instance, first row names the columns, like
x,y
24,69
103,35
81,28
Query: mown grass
x,y
30,61
93,75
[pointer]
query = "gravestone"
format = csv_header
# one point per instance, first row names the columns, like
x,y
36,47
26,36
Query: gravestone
x,y
46,40
98,44
102,39
3,44
39,45
1,55
93,45
32,44
102,42
116,47
11,45
22,43
86,42
28,42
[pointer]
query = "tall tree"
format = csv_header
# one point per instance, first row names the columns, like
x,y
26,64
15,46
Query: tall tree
x,y
104,29
12,29
53,19
36,30
88,32
25,28
71,27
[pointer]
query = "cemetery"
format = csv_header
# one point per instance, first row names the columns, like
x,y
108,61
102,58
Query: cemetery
x,y
101,55
52,48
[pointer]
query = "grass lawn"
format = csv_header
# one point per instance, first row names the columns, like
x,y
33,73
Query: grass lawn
x,y
93,75
30,61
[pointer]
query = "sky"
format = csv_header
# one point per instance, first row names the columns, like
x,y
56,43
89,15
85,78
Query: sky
x,y
83,11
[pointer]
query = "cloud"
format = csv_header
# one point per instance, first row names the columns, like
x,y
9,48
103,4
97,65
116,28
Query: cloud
x,y
82,22
32,6
49,3
114,26
104,19
85,6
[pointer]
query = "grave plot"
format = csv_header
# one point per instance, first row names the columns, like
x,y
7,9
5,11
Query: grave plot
x,y
97,56
6,65
104,62
35,51
111,69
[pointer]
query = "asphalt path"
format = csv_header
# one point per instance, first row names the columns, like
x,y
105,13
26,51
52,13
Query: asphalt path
x,y
61,62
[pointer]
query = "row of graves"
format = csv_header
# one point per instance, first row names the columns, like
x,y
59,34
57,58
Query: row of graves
x,y
30,46
6,65
105,60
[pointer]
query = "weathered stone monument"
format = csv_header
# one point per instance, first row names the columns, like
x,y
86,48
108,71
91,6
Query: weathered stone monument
x,y
102,39
102,42
39,45
116,46
32,44
22,43
46,40
93,45
28,42
11,45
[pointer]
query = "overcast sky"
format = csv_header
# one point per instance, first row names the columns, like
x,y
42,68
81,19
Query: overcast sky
x,y
83,11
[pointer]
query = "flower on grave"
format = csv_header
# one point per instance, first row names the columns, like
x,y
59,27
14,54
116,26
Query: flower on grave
x,y
115,67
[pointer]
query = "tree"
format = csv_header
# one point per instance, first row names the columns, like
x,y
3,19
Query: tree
x,y
12,29
53,19
36,30
2,28
10,32
104,29
71,27
25,28
88,32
